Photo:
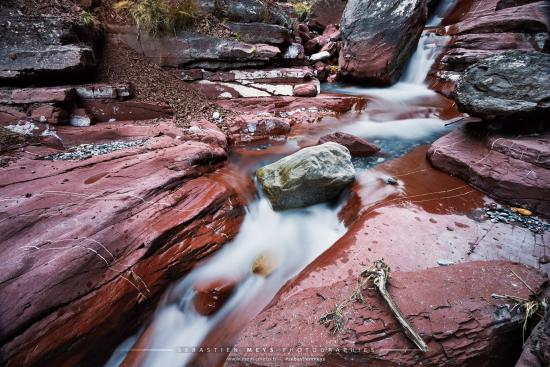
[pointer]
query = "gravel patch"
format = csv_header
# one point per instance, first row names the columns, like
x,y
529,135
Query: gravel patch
x,y
496,213
85,151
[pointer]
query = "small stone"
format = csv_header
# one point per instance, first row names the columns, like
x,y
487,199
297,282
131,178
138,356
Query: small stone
x,y
320,56
265,264
391,181
445,262
216,115
545,259
450,228
522,211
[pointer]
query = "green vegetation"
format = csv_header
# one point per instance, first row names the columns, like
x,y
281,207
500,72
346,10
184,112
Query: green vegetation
x,y
87,18
157,17
303,8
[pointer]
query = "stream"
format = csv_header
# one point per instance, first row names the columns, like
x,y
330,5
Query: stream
x,y
397,119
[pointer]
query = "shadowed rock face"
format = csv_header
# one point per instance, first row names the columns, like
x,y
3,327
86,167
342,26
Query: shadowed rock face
x,y
94,242
536,350
451,308
251,11
325,12
34,49
511,86
195,50
379,37
309,176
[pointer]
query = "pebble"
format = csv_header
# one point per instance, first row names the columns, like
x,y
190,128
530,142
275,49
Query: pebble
x,y
445,262
497,213
391,181
84,151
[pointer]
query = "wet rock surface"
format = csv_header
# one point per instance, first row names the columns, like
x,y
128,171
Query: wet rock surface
x,y
513,86
379,37
461,325
122,225
309,176
357,147
494,163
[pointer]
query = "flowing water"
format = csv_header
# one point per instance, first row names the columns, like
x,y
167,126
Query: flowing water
x,y
397,119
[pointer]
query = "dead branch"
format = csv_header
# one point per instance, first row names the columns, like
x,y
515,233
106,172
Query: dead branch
x,y
379,274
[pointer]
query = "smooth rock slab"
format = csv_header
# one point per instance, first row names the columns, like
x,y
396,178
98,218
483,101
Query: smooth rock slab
x,y
309,176
508,86
506,167
450,307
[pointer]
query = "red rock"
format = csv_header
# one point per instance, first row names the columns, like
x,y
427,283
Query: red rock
x,y
305,90
330,47
36,95
332,103
379,37
488,163
49,114
207,132
11,114
451,308
326,12
105,110
105,236
191,74
530,18
332,33
211,295
312,46
357,147
484,29
249,128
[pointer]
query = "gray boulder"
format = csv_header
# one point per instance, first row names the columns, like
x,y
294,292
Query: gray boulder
x,y
379,37
39,49
510,86
309,176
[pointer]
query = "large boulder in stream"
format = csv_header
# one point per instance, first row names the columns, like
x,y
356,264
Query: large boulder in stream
x,y
379,37
309,176
514,85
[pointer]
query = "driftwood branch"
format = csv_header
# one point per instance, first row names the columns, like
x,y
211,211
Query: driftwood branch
x,y
379,274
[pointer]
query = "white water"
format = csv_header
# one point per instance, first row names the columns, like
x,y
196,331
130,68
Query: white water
x,y
294,237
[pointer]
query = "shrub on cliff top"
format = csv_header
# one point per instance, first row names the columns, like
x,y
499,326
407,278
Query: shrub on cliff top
x,y
157,17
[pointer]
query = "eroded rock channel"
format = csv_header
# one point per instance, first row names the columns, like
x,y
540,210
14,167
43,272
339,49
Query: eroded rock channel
x,y
195,183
